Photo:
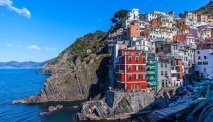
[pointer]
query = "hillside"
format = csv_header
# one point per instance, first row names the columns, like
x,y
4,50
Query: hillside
x,y
22,65
80,72
207,9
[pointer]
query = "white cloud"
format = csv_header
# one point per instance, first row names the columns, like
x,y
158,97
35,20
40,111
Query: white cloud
x,y
34,47
9,45
49,49
9,4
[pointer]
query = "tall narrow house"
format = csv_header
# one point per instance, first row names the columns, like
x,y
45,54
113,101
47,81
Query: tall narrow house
x,y
131,70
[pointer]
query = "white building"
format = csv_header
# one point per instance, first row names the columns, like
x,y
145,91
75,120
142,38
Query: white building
x,y
133,15
190,15
190,41
140,43
206,32
204,63
153,15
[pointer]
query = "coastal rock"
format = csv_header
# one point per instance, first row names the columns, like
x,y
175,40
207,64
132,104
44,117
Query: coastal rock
x,y
118,105
19,101
52,109
77,74
58,107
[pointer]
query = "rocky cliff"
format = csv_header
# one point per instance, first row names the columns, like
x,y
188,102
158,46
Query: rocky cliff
x,y
207,9
79,73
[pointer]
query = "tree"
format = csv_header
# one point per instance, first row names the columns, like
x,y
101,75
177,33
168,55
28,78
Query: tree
x,y
114,20
119,15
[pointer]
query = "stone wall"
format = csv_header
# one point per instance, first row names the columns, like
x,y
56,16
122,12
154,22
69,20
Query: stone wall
x,y
136,100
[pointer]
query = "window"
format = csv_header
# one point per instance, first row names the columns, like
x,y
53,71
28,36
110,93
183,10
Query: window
x,y
130,58
137,68
204,69
129,77
144,76
166,65
139,86
205,63
161,65
137,59
205,57
173,68
130,68
166,73
161,72
198,52
173,75
162,84
133,86
136,76
144,59
199,63
198,57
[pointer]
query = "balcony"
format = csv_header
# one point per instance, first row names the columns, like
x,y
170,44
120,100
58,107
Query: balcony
x,y
151,63
154,74
173,71
151,78
151,69
151,72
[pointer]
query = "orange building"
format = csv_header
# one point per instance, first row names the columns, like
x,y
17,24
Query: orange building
x,y
134,29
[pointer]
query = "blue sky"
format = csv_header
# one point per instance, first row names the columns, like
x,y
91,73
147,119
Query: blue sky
x,y
38,30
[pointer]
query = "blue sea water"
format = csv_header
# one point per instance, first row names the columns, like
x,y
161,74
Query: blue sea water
x,y
22,83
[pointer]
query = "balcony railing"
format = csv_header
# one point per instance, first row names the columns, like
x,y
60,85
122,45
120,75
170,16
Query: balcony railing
x,y
151,78
151,72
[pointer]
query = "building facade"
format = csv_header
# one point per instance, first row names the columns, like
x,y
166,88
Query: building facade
x,y
131,70
204,63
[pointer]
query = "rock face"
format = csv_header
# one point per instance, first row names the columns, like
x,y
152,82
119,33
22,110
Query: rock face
x,y
207,9
78,73
117,105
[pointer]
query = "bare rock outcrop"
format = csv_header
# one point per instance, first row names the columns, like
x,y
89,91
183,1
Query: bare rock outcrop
x,y
78,73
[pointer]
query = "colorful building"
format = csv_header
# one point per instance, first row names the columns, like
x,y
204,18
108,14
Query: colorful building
x,y
177,72
165,20
152,70
164,74
204,60
131,70
134,29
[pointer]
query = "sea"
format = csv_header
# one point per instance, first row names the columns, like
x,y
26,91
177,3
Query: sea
x,y
21,83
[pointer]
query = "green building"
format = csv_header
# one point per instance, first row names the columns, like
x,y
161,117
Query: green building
x,y
152,71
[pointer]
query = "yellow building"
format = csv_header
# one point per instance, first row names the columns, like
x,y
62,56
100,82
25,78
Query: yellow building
x,y
166,20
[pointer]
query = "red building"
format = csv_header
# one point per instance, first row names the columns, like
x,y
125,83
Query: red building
x,y
131,69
